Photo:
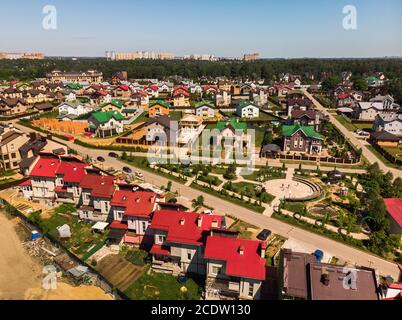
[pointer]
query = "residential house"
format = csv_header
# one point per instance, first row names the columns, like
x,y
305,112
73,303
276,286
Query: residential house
x,y
140,99
67,184
235,267
190,127
389,122
247,110
132,211
158,109
367,111
13,106
385,139
304,277
181,97
304,139
106,123
179,240
73,109
223,99
122,91
152,90
112,105
345,99
260,99
307,118
394,209
232,133
301,104
11,140
119,77
12,93
96,196
205,110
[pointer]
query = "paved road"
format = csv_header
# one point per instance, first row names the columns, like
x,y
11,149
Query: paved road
x,y
338,249
370,156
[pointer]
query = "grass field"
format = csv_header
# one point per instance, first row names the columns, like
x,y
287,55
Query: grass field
x,y
383,159
353,126
160,286
119,272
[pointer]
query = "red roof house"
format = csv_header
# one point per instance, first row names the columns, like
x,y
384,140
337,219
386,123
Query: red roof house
x,y
100,186
243,258
394,208
135,203
185,227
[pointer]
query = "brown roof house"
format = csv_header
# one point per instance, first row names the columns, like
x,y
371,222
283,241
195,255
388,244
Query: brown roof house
x,y
303,139
307,118
304,277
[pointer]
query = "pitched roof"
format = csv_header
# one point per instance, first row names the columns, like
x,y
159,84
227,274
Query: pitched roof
x,y
182,227
384,136
394,208
222,125
250,264
71,171
117,103
105,116
159,102
289,131
45,167
100,186
136,203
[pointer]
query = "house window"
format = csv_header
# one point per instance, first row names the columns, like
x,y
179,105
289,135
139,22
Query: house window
x,y
161,239
144,226
189,256
251,290
296,142
119,215
216,270
13,155
107,206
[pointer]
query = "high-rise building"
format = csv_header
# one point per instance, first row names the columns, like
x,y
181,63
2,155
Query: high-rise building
x,y
25,55
148,55
251,56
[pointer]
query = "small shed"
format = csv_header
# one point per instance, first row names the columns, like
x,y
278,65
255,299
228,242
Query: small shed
x,y
64,231
100,227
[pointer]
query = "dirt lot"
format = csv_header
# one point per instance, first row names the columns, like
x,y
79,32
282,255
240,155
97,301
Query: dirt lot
x,y
21,275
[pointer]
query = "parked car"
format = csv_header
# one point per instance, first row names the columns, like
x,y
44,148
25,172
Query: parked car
x,y
264,234
362,133
101,159
139,174
207,212
127,170
113,155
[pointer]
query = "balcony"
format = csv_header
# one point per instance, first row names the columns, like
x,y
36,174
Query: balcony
x,y
222,289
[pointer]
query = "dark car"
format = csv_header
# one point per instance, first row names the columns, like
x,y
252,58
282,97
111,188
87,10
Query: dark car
x,y
101,159
127,170
263,235
113,155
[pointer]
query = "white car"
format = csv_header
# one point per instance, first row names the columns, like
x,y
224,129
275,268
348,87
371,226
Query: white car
x,y
362,133
139,174
207,212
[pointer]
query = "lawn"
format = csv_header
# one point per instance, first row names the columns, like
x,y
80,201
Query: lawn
x,y
175,115
82,237
294,206
247,231
249,189
353,126
266,173
382,158
142,118
160,286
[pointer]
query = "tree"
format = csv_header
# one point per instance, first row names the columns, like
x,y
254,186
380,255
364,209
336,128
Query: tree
x,y
198,202
330,83
124,156
360,84
230,172
169,186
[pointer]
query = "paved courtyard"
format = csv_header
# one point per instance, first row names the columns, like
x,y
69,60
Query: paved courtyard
x,y
288,188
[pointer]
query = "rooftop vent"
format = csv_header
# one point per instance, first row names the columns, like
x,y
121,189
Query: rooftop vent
x,y
324,276
199,221
182,221
241,250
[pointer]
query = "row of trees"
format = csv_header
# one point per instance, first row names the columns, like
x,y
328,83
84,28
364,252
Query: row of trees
x,y
262,69
377,186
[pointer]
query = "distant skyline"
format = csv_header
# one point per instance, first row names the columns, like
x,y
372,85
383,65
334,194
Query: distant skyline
x,y
275,29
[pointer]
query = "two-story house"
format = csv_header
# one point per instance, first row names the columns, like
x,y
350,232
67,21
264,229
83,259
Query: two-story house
x,y
235,267
205,110
106,123
158,109
307,118
132,210
303,139
389,122
179,240
247,110
96,195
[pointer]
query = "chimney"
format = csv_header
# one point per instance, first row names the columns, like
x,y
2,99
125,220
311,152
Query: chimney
x,y
324,277
199,221
263,249
241,250
215,223
182,221
32,136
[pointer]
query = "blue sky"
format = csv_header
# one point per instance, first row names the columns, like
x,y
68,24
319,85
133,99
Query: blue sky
x,y
286,28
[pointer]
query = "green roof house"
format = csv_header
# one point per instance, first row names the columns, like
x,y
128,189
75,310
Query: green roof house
x,y
114,104
302,139
106,123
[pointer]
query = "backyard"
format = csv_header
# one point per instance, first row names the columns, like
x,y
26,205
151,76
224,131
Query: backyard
x,y
159,286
